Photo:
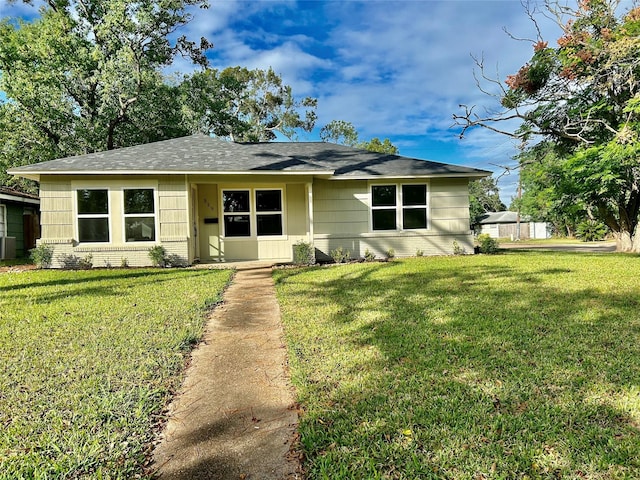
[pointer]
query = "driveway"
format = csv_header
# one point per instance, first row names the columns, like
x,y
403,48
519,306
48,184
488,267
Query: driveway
x,y
584,247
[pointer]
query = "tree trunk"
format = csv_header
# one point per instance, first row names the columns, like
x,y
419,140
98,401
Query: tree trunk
x,y
628,242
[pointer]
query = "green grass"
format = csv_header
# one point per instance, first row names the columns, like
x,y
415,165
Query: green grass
x,y
89,360
520,365
15,262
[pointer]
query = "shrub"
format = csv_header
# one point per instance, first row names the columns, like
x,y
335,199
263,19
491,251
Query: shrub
x,y
73,262
304,253
591,231
390,253
158,256
340,255
369,256
174,260
457,249
419,253
86,263
42,255
124,263
487,244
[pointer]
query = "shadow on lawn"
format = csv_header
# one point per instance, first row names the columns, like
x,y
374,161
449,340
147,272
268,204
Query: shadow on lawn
x,y
492,366
47,278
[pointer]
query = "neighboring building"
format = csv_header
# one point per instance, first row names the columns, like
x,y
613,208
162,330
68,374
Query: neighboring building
x,y
19,223
505,225
204,199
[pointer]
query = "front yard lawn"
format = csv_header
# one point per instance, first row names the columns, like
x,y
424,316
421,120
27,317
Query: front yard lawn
x,y
89,360
520,365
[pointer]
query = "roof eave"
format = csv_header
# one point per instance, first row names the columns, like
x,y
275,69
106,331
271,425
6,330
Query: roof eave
x,y
432,175
17,199
35,175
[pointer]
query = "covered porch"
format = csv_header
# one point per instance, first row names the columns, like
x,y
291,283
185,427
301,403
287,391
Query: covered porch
x,y
249,218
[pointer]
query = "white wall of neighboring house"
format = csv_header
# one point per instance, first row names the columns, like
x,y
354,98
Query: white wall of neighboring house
x,y
529,230
539,230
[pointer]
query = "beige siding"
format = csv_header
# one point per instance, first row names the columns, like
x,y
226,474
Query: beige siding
x,y
56,209
340,207
342,219
59,227
214,247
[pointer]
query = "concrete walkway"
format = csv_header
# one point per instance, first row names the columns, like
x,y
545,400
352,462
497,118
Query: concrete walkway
x,y
234,416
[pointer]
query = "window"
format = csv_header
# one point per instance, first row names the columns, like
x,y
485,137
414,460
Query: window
x,y
265,212
93,215
237,219
383,207
405,206
414,207
139,215
269,212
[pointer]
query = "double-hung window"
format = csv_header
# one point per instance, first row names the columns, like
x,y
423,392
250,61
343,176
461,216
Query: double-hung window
x,y
383,207
93,215
139,215
414,206
268,212
252,212
237,213
399,207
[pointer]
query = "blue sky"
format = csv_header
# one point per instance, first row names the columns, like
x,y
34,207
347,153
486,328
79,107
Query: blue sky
x,y
395,69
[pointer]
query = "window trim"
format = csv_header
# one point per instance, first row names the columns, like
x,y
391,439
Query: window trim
x,y
270,212
155,215
393,207
232,214
78,215
400,207
253,213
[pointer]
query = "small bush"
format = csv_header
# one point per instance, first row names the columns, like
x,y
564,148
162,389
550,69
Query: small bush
x,y
369,256
73,262
304,253
487,244
457,249
390,253
419,253
340,255
174,260
42,255
124,263
158,256
591,231
86,262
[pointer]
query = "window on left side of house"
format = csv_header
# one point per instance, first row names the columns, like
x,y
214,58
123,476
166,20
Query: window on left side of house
x,y
93,215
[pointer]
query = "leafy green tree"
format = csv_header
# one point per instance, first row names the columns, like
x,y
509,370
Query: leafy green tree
x,y
484,196
340,132
245,105
583,96
344,133
85,76
549,194
375,145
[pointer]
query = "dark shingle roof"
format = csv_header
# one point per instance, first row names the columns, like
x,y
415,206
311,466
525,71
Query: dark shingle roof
x,y
203,154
